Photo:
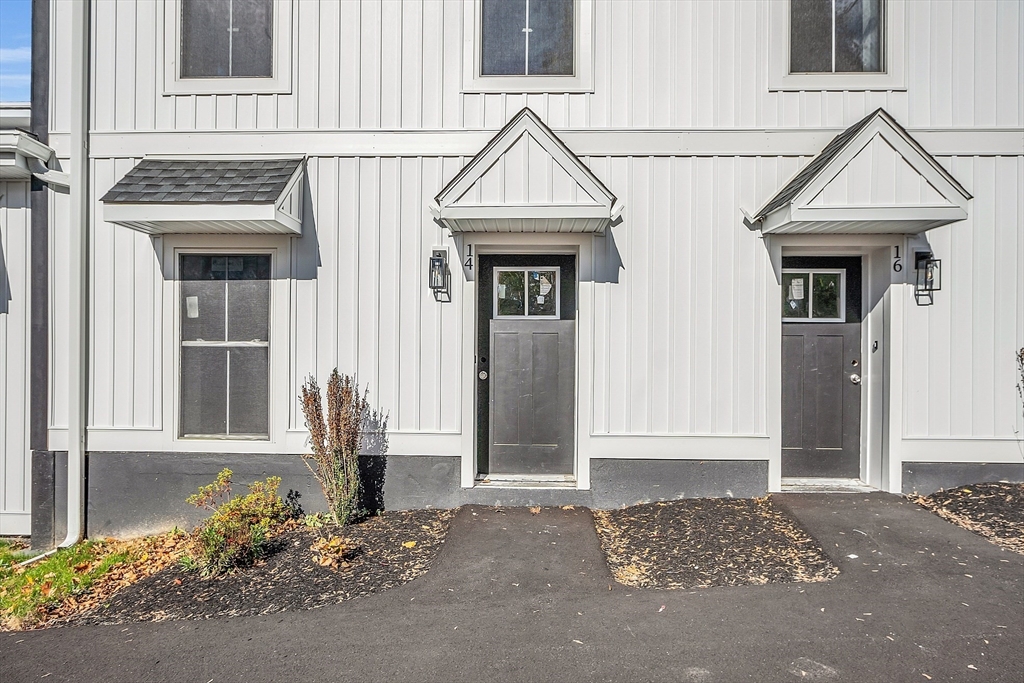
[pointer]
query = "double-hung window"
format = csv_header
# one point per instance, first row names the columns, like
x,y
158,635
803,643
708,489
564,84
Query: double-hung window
x,y
836,45
225,346
528,46
228,46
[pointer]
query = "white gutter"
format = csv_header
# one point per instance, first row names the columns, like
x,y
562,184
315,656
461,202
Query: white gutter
x,y
78,242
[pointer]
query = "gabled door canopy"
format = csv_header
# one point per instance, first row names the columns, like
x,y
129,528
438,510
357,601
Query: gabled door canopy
x,y
872,178
175,195
571,199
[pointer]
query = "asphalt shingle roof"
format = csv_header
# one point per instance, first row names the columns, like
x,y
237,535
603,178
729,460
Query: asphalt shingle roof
x,y
239,181
807,174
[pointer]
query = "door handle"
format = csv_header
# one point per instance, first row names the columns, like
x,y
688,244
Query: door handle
x,y
855,378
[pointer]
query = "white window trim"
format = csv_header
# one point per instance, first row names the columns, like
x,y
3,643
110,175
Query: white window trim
x,y
526,292
894,56
280,82
277,402
811,272
583,60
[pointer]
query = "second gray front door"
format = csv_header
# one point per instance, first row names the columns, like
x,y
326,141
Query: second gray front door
x,y
526,359
821,366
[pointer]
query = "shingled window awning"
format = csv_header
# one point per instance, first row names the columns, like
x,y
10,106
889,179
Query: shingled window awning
x,y
163,196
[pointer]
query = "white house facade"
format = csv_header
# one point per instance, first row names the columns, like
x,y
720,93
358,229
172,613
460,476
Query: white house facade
x,y
581,251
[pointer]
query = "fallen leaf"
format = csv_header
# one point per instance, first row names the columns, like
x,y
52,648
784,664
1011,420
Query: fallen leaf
x,y
409,544
535,510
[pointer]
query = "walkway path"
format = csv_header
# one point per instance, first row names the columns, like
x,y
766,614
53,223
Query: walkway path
x,y
520,597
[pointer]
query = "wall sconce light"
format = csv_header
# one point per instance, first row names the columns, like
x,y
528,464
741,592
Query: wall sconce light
x,y
929,277
929,272
437,274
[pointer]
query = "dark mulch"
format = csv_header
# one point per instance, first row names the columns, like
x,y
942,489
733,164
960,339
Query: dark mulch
x,y
705,542
994,510
288,578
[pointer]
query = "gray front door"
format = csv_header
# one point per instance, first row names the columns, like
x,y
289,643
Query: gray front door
x,y
821,366
526,365
531,411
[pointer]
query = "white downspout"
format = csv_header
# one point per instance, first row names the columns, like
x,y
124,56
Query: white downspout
x,y
78,246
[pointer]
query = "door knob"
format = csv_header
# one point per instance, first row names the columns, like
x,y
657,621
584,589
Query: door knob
x,y
855,378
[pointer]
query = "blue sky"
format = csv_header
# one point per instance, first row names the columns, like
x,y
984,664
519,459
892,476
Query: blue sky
x,y
15,50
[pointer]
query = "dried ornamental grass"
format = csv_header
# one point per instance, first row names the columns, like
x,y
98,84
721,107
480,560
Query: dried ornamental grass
x,y
336,440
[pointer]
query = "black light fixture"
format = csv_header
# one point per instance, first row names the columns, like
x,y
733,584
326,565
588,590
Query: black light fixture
x,y
929,273
437,273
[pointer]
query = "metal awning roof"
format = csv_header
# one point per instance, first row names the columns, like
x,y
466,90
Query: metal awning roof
x,y
209,195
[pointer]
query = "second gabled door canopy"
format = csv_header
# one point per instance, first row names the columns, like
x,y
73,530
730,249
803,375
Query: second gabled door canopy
x,y
872,178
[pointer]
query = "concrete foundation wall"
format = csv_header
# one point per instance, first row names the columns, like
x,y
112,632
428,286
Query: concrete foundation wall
x,y
925,478
132,494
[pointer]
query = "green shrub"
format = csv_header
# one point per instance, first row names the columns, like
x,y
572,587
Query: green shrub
x,y
235,535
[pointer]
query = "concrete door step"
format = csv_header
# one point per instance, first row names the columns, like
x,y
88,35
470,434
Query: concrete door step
x,y
824,485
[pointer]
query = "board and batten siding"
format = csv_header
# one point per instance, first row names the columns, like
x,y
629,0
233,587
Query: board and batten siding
x,y
959,353
397,64
15,358
678,315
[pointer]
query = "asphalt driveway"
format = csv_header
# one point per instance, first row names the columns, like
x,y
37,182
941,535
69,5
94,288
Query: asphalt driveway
x,y
520,597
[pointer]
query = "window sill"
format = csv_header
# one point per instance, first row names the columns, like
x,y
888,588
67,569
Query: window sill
x,y
836,81
226,86
527,84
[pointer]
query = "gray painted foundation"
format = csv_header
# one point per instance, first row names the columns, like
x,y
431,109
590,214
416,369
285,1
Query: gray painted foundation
x,y
131,494
924,478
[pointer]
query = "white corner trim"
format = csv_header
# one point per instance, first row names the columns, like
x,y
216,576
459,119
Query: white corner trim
x,y
895,55
169,32
581,81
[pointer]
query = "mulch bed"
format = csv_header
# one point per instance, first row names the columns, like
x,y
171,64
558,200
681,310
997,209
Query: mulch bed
x,y
288,578
994,510
704,542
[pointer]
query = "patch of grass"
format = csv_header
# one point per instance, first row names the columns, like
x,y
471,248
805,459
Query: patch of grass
x,y
12,552
27,592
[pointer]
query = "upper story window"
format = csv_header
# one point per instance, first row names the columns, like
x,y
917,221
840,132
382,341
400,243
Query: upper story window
x,y
520,46
527,38
227,38
837,45
830,36
227,46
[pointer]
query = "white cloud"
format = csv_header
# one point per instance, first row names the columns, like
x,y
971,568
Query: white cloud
x,y
15,55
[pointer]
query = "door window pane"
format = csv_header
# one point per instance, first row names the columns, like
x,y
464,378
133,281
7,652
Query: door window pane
x,y
795,295
543,292
835,36
826,295
510,295
227,38
527,37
